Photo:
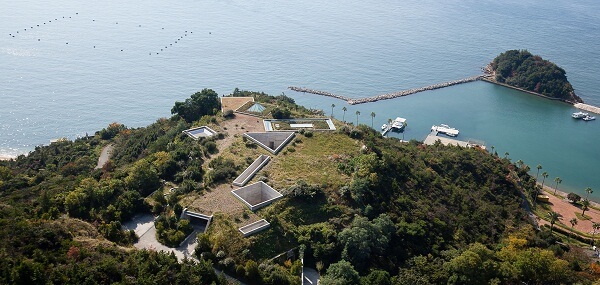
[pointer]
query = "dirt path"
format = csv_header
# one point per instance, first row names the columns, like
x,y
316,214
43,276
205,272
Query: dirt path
x,y
237,126
104,156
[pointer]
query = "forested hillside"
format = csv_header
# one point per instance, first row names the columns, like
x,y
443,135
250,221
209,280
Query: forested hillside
x,y
521,69
360,208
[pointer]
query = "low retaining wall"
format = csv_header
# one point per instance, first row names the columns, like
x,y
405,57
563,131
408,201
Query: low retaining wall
x,y
255,227
261,161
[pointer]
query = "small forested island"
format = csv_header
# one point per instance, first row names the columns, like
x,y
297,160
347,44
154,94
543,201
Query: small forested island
x,y
521,69
357,208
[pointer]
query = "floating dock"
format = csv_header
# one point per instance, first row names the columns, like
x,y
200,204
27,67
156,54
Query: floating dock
x,y
432,138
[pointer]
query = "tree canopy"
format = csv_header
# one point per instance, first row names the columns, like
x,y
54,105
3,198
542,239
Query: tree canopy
x,y
205,102
521,69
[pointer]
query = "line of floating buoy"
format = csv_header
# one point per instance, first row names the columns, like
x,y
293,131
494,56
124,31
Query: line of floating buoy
x,y
176,41
37,25
387,95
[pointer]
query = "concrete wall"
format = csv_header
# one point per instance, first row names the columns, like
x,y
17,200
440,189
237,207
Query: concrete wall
x,y
255,227
256,195
261,161
271,141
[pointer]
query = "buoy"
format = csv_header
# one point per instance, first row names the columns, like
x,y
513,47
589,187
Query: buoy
x,y
209,33
139,25
94,46
161,49
163,28
121,50
17,32
38,40
38,25
67,43
76,13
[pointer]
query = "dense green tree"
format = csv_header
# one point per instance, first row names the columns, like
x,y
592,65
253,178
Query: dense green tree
x,y
364,238
205,102
143,177
531,72
281,113
340,273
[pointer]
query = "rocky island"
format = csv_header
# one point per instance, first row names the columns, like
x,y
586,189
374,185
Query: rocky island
x,y
528,72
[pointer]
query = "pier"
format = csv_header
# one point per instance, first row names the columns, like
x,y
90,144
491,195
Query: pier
x,y
588,108
387,95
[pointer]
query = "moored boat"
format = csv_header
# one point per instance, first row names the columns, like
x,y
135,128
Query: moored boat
x,y
589,118
398,124
445,129
579,115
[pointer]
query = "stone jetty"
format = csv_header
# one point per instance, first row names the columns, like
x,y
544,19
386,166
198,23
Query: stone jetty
x,y
317,92
388,95
588,108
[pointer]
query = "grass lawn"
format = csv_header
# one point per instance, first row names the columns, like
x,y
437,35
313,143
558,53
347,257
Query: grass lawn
x,y
320,152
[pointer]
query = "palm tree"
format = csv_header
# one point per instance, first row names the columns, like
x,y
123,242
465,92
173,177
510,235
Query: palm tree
x,y
493,150
372,117
506,154
344,116
558,181
332,106
585,205
589,191
357,113
553,217
520,163
545,174
573,222
539,166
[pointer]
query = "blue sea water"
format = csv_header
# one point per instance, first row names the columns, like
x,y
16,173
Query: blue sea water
x,y
128,61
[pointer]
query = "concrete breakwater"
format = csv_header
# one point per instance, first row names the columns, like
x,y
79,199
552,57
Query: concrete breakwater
x,y
587,107
317,92
387,95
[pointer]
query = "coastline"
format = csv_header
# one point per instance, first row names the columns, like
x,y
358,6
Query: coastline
x,y
2,158
493,81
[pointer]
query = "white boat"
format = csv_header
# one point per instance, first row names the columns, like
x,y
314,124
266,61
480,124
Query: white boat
x,y
445,129
384,126
589,118
398,124
579,115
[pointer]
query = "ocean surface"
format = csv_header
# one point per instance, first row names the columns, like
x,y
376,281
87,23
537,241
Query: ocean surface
x,y
90,63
